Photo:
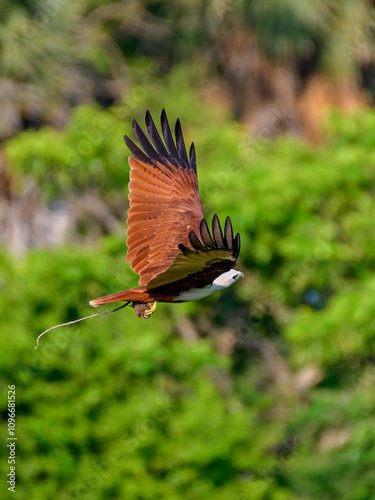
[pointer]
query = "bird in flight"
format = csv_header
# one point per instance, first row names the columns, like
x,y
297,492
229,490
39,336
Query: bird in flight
x,y
169,243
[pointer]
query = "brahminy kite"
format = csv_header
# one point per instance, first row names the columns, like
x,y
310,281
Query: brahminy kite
x,y
169,243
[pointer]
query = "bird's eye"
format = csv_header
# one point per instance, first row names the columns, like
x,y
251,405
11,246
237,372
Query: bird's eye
x,y
234,278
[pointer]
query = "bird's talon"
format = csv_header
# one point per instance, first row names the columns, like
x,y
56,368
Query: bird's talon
x,y
144,310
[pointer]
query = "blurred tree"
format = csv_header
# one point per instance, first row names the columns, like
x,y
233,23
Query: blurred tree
x,y
297,58
275,62
267,60
51,59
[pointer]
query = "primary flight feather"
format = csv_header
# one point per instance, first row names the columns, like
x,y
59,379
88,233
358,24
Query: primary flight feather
x,y
169,242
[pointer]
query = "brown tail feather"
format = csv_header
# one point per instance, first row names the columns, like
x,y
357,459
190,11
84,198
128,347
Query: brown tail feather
x,y
139,294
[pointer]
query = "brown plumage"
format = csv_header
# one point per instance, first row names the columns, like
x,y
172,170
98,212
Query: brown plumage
x,y
169,243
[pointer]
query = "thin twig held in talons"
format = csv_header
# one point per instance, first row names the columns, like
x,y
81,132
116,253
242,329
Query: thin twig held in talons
x,y
77,320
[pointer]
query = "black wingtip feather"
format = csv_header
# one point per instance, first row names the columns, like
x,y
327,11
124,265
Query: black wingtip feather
x,y
228,234
185,250
216,232
192,158
180,143
155,150
195,243
135,150
236,246
144,142
206,236
215,242
167,134
155,136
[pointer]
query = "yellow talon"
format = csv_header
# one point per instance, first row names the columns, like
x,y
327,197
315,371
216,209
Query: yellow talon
x,y
145,310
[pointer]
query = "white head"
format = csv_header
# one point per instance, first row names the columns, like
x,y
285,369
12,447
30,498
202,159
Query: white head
x,y
227,279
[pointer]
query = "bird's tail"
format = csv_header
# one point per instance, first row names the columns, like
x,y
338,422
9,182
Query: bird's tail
x,y
139,294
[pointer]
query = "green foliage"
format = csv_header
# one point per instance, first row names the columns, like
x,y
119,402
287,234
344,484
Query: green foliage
x,y
124,409
89,154
116,407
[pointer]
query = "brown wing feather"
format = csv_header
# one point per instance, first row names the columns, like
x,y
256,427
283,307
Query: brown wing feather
x,y
164,201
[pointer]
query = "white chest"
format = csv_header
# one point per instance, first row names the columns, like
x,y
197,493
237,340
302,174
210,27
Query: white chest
x,y
195,293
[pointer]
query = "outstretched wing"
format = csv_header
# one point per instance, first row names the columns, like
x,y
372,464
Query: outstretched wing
x,y
164,199
212,255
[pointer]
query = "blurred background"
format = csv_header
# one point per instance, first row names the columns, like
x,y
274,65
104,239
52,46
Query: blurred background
x,y
263,392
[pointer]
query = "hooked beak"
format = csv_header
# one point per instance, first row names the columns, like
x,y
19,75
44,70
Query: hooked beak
x,y
241,274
